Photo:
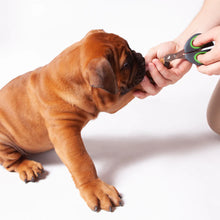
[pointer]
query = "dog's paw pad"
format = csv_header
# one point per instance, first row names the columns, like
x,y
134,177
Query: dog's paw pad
x,y
29,170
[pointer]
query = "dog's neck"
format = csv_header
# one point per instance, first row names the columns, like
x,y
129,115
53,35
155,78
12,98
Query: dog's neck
x,y
70,79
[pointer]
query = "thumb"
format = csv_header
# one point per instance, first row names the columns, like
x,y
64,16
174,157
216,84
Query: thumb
x,y
203,39
166,48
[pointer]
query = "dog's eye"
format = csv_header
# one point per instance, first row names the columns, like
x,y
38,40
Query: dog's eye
x,y
126,65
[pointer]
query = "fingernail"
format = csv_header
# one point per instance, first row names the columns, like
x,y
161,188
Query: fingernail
x,y
151,66
195,41
154,60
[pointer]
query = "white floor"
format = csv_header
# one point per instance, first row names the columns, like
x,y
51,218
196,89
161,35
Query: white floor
x,y
158,152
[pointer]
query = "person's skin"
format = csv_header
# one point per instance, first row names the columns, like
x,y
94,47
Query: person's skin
x,y
211,60
206,22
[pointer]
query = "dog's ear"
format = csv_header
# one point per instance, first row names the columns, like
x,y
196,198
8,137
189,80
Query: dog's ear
x,y
101,75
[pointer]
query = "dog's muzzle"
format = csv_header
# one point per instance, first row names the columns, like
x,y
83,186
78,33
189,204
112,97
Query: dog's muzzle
x,y
139,76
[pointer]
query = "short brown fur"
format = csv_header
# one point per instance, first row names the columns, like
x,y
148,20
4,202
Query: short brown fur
x,y
47,108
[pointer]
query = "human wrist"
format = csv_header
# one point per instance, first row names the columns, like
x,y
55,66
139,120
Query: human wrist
x,y
182,38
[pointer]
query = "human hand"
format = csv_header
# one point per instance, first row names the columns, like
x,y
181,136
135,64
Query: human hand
x,y
160,74
211,59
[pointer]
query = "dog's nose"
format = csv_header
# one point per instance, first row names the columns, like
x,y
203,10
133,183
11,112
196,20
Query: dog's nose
x,y
140,58
140,68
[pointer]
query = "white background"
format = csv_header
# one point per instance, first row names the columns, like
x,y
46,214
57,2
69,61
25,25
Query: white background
x,y
158,152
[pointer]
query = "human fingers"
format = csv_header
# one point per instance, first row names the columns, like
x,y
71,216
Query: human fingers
x,y
152,53
147,89
176,72
212,69
203,38
158,78
180,67
140,94
161,50
211,56
169,76
211,35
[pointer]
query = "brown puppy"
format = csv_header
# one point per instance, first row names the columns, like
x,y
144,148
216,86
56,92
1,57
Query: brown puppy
x,y
47,108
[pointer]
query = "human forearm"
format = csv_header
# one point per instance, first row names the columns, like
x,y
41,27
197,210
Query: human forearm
x,y
207,18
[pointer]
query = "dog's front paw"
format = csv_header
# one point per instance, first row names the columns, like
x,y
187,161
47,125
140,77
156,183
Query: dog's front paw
x,y
99,195
29,170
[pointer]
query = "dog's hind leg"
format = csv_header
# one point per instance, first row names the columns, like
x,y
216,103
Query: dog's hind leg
x,y
15,161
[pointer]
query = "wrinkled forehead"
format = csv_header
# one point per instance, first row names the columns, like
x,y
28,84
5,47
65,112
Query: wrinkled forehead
x,y
100,43
103,37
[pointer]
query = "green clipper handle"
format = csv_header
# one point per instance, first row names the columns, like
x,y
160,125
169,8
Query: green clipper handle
x,y
192,52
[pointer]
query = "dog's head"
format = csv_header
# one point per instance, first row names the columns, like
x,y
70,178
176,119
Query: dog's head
x,y
110,63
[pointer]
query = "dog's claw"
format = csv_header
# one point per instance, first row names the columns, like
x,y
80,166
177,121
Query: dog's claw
x,y
110,209
25,181
103,196
32,179
121,203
